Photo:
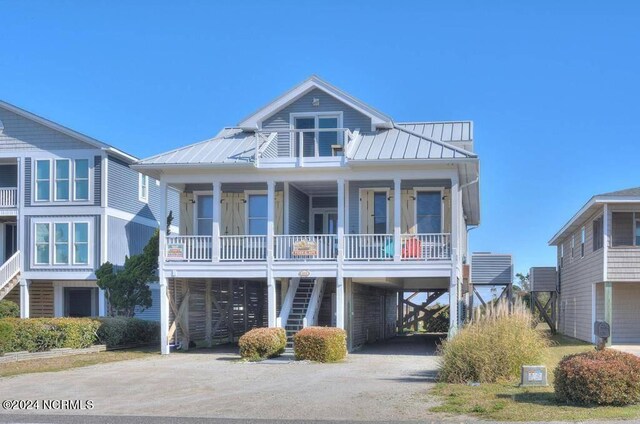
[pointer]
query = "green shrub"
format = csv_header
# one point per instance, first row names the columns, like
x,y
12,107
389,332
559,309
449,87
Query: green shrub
x,y
9,309
322,344
493,347
124,331
41,334
261,343
599,377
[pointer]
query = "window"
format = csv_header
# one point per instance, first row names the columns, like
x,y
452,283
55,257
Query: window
x,y
598,234
317,142
81,243
625,229
573,246
257,214
583,233
61,244
143,188
43,180
561,255
205,215
81,180
42,243
62,179
380,212
429,212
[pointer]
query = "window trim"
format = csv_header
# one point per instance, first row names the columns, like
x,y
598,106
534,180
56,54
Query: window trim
x,y
71,264
74,242
562,255
55,243
36,180
440,190
36,243
52,200
599,235
56,179
635,217
76,179
316,115
143,189
583,238
373,212
247,194
196,218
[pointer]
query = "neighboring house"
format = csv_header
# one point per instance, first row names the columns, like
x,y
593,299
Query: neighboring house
x,y
315,210
598,254
68,203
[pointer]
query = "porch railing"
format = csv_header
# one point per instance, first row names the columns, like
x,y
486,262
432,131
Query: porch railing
x,y
303,247
368,247
188,248
423,247
305,143
8,197
243,248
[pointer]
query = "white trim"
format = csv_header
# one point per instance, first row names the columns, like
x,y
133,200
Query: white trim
x,y
196,195
52,199
51,264
325,218
126,216
316,116
143,188
605,242
440,190
73,190
248,193
593,310
285,207
68,180
374,189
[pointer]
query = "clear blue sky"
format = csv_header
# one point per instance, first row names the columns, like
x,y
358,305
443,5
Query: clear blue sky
x,y
553,88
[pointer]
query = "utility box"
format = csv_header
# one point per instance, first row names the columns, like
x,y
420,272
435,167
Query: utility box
x,y
533,375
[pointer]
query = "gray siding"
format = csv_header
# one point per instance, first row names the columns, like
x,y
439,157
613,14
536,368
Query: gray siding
x,y
126,238
123,191
623,257
324,201
491,269
22,134
577,277
29,244
152,313
298,211
8,176
352,119
543,278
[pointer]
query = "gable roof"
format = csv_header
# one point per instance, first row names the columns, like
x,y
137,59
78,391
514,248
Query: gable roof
x,y
253,121
629,195
67,131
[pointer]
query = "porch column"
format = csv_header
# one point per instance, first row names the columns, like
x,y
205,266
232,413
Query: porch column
x,y
341,214
215,231
24,298
397,219
163,224
454,296
340,300
271,281
339,276
608,307
164,299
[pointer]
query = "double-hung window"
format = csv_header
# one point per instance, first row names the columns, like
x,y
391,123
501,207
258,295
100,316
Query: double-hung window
x,y
61,243
583,234
62,179
143,188
257,214
429,212
42,243
561,255
80,243
43,180
81,180
380,212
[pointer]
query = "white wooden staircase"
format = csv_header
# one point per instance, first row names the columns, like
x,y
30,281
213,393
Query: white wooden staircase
x,y
9,274
301,306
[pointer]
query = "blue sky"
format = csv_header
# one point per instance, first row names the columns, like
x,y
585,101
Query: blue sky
x,y
551,86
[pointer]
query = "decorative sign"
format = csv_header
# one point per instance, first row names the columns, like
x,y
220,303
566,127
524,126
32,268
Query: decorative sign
x,y
533,375
304,273
305,248
175,251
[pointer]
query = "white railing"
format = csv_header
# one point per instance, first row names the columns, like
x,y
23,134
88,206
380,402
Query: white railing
x,y
297,139
287,304
188,248
368,247
313,309
424,247
8,197
303,247
9,269
243,248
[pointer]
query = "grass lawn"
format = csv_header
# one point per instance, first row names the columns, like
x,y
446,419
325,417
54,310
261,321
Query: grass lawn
x,y
508,402
73,361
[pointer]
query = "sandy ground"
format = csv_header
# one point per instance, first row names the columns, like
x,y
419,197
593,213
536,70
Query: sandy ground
x,y
382,382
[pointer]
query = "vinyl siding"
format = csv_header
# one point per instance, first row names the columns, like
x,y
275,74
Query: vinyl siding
x,y
576,279
626,314
123,191
153,312
352,119
8,175
126,238
22,134
623,261
491,269
298,211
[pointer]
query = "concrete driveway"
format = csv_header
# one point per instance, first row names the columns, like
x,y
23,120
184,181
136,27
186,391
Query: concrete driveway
x,y
388,381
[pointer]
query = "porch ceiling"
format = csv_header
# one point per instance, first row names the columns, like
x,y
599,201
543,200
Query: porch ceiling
x,y
317,188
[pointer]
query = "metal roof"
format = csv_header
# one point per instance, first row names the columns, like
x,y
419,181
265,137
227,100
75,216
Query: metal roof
x,y
441,131
629,192
230,146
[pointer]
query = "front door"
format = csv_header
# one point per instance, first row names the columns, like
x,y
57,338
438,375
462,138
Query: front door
x,y
325,222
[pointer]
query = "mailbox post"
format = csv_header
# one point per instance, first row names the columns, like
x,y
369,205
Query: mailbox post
x,y
602,331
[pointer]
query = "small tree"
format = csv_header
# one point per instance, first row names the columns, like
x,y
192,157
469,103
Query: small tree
x,y
127,288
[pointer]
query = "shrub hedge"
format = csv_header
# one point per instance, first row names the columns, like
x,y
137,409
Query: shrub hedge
x,y
40,334
9,309
123,331
599,377
322,344
262,343
493,347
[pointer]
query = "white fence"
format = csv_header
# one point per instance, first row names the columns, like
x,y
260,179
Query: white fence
x,y
188,248
368,247
8,197
243,248
422,247
314,247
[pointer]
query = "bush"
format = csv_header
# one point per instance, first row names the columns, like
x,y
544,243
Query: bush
x,y
261,343
322,344
604,377
124,331
493,347
41,334
9,309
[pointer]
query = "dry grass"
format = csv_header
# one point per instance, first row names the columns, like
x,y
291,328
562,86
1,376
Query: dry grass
x,y
508,402
74,361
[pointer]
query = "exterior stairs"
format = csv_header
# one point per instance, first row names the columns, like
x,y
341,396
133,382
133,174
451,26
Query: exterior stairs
x,y
299,308
9,274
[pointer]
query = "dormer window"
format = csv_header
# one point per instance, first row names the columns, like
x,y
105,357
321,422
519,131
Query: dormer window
x,y
319,140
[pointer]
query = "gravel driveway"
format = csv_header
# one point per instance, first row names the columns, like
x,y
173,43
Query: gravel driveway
x,y
386,381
